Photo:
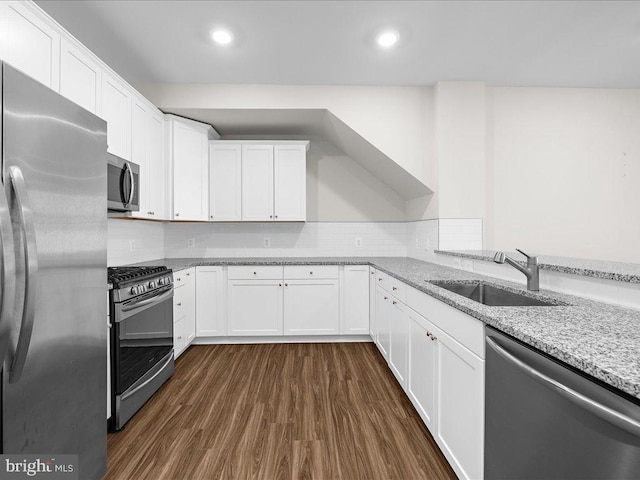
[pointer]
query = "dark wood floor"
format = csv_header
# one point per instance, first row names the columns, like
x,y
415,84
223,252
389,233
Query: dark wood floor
x,y
279,411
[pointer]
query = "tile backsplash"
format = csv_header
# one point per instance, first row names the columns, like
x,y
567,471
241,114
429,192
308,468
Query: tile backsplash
x,y
133,241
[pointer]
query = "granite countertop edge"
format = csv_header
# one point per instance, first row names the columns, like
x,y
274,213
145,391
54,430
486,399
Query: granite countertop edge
x,y
584,271
577,344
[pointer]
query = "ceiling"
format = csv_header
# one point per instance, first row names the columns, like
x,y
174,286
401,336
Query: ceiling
x,y
516,43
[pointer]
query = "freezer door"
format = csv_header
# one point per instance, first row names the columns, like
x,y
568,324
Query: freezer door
x,y
54,171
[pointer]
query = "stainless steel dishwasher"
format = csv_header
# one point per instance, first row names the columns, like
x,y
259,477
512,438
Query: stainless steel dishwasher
x,y
544,420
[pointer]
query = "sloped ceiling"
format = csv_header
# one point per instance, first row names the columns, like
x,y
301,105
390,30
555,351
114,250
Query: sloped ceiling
x,y
251,123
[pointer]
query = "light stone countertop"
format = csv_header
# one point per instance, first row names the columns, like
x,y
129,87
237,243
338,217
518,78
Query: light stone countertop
x,y
596,338
618,271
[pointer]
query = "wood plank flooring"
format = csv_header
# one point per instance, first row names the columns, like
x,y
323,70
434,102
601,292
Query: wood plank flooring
x,y
278,411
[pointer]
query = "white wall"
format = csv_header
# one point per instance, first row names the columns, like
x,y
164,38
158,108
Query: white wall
x,y
565,172
131,241
396,120
311,239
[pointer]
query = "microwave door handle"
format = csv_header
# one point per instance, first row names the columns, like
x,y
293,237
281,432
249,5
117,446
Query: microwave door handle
x,y
7,275
25,217
607,414
132,189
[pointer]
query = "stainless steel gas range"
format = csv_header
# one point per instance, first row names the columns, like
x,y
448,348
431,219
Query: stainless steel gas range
x,y
141,309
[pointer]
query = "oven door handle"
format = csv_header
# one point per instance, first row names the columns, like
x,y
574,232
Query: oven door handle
x,y
148,380
148,301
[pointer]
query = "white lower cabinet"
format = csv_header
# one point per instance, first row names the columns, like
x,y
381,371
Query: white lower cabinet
x,y
210,302
311,307
184,308
460,406
383,314
373,330
356,300
421,384
399,340
254,307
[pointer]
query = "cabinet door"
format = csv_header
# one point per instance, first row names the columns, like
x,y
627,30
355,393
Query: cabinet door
x,y
311,307
210,302
139,141
225,182
382,321
460,400
80,77
31,44
116,110
399,341
290,183
421,380
372,304
257,182
254,307
190,173
156,168
356,300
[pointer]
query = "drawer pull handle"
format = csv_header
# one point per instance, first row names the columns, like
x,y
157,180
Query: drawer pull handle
x,y
394,302
394,288
179,279
179,304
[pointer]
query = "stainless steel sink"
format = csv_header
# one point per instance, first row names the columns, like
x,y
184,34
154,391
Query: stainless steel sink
x,y
493,296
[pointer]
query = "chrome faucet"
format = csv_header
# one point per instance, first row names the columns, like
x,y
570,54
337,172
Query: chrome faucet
x,y
531,271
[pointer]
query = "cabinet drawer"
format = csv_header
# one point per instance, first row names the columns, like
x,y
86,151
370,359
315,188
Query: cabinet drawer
x,y
309,272
182,277
397,289
464,328
180,335
260,272
180,303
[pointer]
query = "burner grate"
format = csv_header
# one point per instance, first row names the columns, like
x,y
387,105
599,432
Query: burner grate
x,y
118,275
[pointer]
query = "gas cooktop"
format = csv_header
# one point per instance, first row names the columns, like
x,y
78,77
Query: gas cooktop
x,y
120,275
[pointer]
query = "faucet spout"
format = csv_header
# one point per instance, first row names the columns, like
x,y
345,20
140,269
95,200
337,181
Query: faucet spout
x,y
531,271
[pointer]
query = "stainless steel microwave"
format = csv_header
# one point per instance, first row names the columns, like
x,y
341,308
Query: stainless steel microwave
x,y
123,185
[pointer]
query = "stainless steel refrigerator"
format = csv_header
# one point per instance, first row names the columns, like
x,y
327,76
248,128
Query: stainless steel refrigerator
x,y
53,233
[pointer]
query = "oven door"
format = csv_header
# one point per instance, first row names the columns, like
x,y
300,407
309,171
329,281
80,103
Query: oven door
x,y
143,336
123,185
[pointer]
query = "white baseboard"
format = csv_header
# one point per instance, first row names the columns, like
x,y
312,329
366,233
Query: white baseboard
x,y
283,339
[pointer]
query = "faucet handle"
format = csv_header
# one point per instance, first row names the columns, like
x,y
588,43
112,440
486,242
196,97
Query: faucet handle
x,y
529,257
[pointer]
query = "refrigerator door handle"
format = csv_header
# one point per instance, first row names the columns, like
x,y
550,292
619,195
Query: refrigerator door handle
x,y
31,271
7,275
607,414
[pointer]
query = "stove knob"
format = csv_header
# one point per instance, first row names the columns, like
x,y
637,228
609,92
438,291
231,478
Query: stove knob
x,y
152,284
161,281
133,291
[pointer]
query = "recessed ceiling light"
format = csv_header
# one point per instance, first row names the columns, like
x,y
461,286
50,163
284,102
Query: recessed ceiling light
x,y
388,38
222,37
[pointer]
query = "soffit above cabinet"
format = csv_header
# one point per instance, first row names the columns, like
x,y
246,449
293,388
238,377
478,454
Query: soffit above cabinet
x,y
314,123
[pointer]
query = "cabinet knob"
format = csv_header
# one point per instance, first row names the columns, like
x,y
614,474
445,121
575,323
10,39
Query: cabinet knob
x,y
270,216
177,214
310,273
211,216
394,289
149,213
386,298
379,279
179,304
286,284
276,216
255,273
394,302
179,279
372,273
279,284
433,337
179,337
188,274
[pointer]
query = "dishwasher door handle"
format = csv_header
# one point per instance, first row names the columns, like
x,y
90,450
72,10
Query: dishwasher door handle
x,y
612,416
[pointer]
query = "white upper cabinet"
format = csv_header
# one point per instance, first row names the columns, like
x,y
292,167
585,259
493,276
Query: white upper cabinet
x,y
80,77
290,177
257,182
116,110
139,138
189,162
156,168
253,181
225,182
30,43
